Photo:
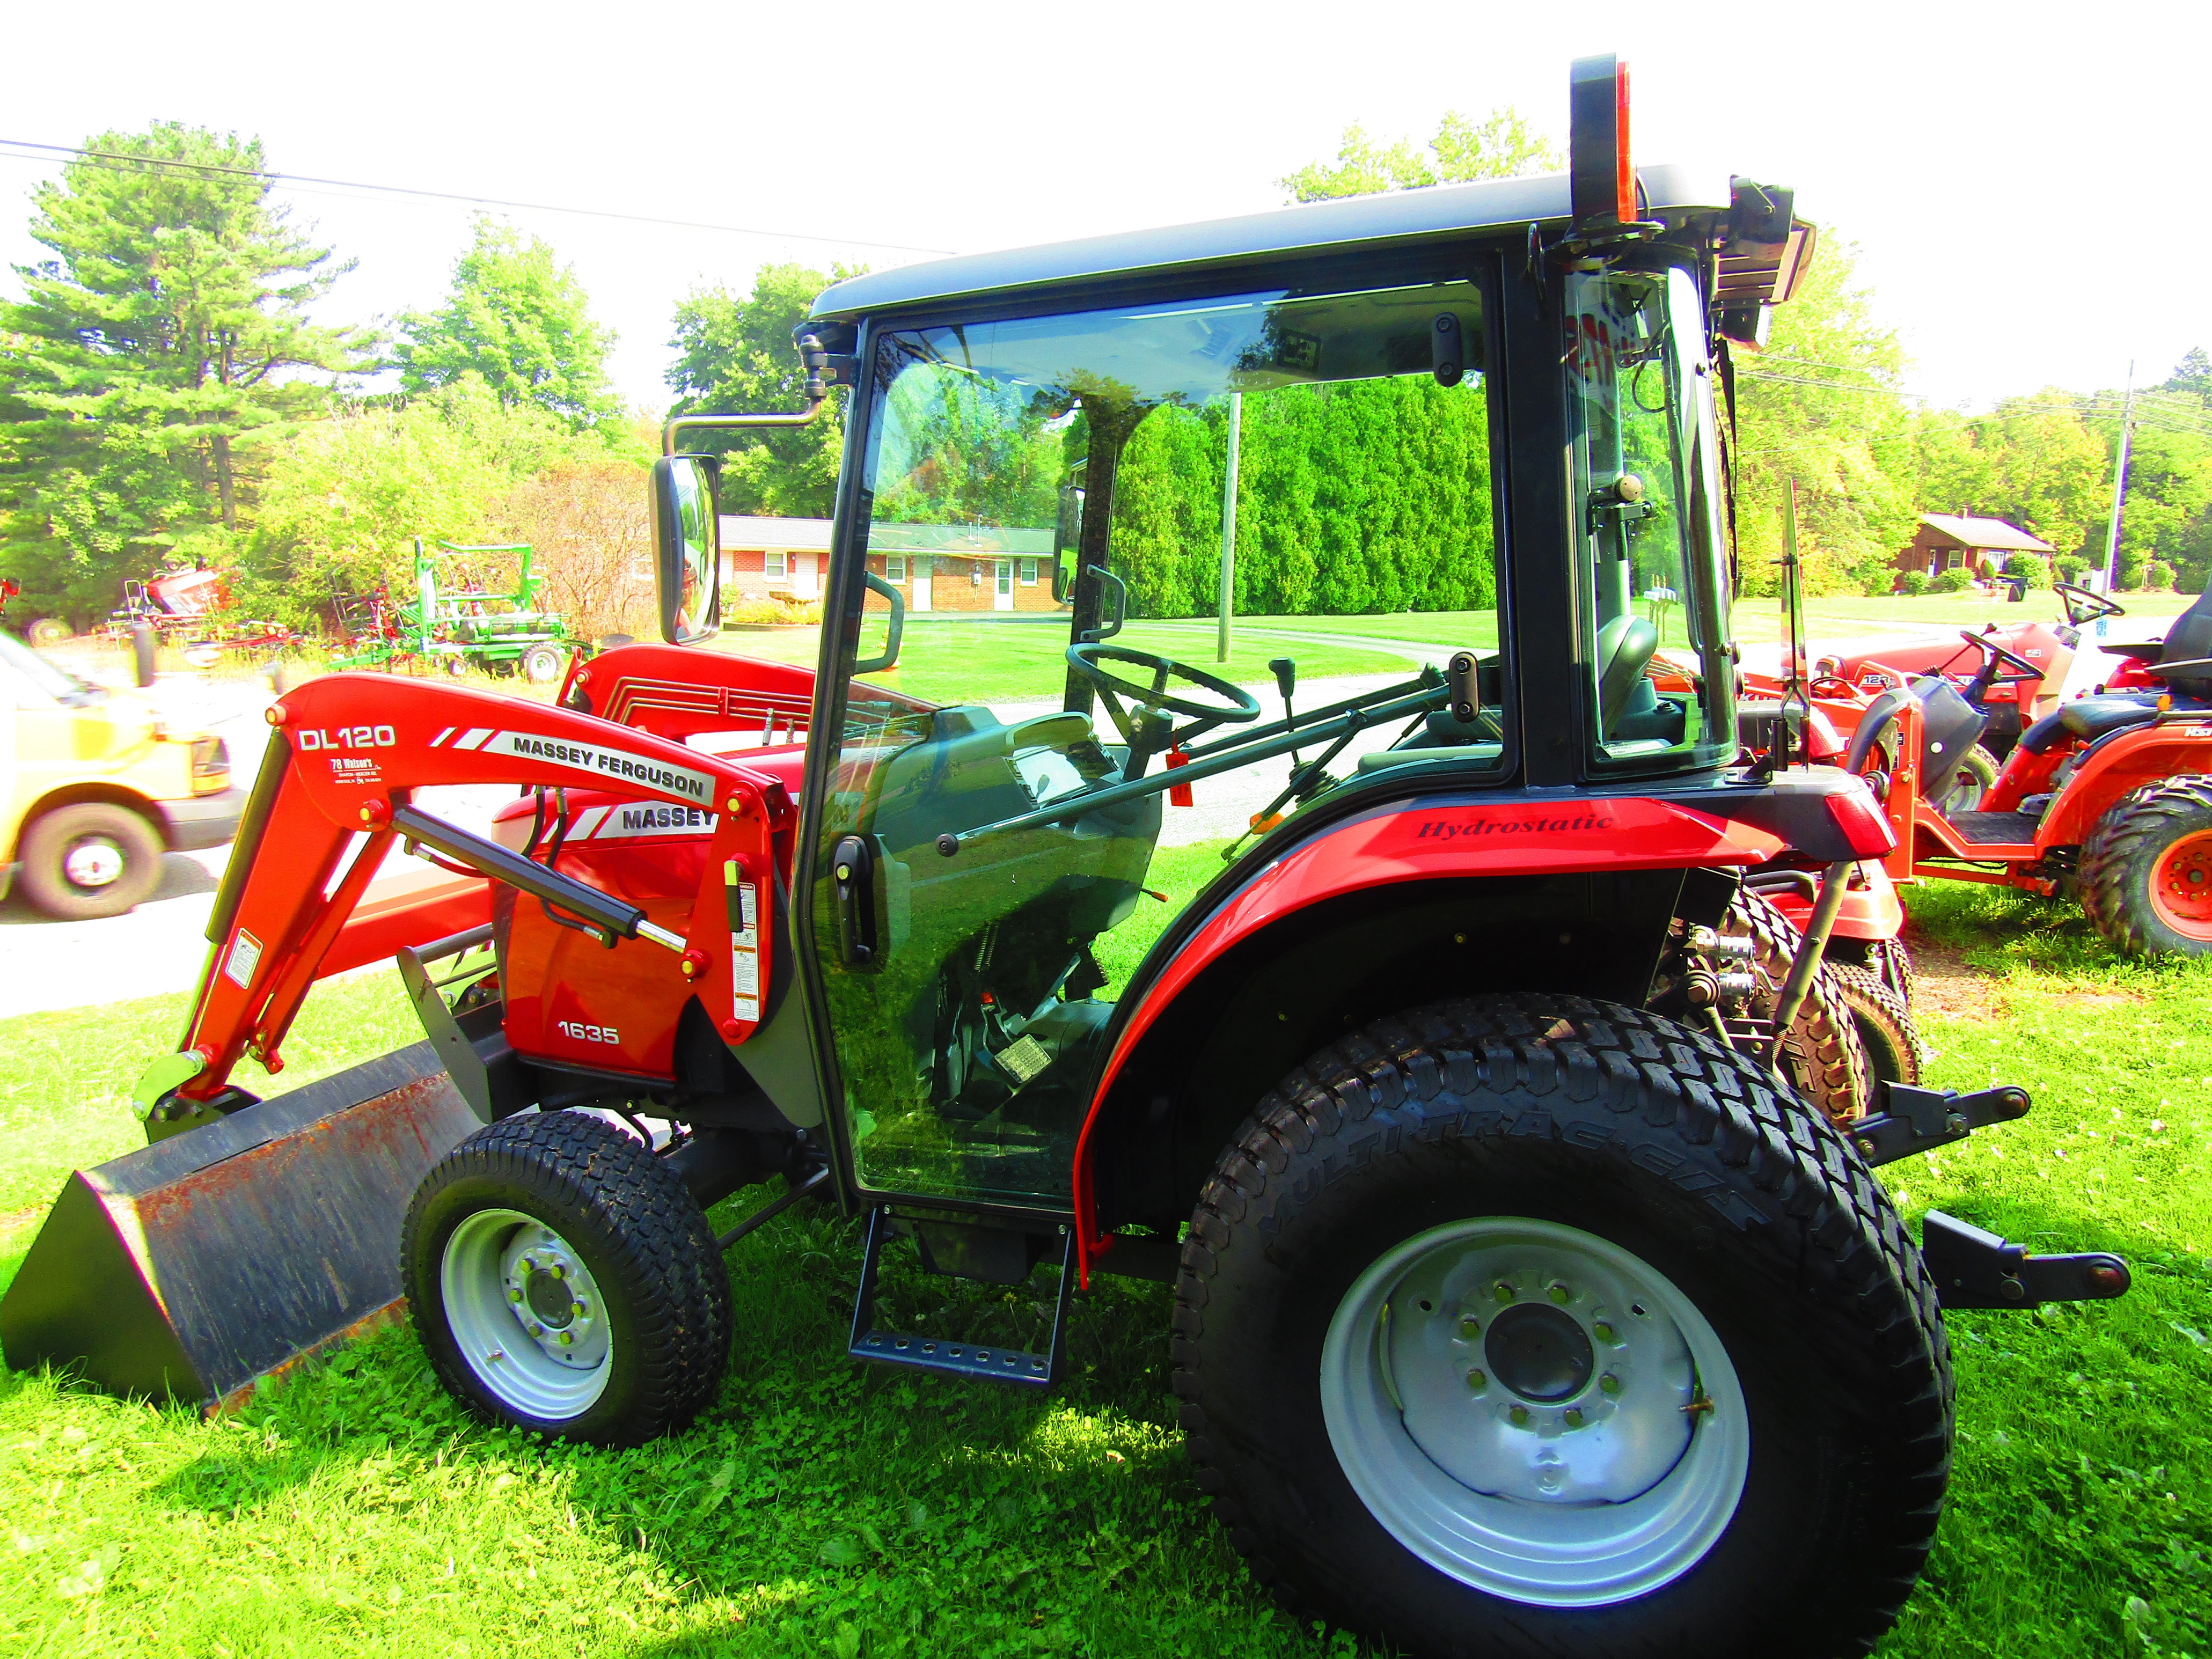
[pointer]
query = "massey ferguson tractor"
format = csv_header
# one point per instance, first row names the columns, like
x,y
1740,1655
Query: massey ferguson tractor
x,y
1508,1155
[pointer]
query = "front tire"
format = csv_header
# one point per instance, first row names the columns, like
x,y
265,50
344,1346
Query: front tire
x,y
1346,1281
556,1226
1959,786
1895,1051
89,860
2146,877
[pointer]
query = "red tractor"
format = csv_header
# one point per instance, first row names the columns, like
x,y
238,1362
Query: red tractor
x,y
1508,1155
2107,798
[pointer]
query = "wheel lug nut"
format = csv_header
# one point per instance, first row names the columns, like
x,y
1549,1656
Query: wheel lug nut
x,y
559,1271
1502,1291
1520,1416
1608,1384
567,1337
1477,1381
1602,1331
1574,1419
1469,1329
537,1330
513,1295
578,1308
1561,1295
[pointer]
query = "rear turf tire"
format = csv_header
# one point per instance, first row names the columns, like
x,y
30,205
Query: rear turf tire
x,y
1656,1156
495,1218
2146,869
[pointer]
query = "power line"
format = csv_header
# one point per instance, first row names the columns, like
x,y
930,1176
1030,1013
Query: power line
x,y
112,161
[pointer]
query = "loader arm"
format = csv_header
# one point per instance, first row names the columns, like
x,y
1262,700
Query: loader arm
x,y
336,791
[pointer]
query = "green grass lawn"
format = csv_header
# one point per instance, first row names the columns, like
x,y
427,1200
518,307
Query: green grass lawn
x,y
958,659
822,1507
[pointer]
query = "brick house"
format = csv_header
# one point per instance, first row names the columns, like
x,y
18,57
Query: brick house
x,y
1946,541
773,558
937,567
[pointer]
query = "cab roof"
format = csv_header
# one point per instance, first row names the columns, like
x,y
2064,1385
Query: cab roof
x,y
1403,216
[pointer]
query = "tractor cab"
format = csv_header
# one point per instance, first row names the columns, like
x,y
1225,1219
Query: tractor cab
x,y
1089,488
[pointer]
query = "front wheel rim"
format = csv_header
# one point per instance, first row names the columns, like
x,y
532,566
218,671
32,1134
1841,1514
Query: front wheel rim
x,y
1535,1412
513,1289
2181,886
93,863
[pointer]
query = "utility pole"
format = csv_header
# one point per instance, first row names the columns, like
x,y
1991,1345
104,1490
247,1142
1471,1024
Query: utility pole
x,y
2119,487
1228,525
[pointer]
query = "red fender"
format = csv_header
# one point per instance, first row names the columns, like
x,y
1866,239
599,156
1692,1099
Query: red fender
x,y
2121,765
358,745
1471,838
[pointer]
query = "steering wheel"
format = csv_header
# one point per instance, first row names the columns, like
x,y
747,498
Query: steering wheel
x,y
1146,726
2011,659
2090,605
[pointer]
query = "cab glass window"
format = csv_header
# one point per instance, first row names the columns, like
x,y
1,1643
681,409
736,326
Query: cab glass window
x,y
1064,752
1642,452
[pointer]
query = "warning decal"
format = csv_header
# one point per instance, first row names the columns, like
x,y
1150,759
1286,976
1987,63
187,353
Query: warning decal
x,y
244,957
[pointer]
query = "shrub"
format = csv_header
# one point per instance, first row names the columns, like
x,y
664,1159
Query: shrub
x,y
1957,580
1913,582
2158,577
2030,568
772,612
2071,567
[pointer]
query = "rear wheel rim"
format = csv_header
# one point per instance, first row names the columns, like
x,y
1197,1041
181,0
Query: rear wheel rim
x,y
512,1288
2181,886
1535,1412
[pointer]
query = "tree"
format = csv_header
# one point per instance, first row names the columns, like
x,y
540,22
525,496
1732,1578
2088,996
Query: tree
x,y
1823,406
170,329
1502,145
586,519
735,356
520,323
343,501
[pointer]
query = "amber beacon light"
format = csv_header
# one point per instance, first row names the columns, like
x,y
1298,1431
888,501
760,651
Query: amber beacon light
x,y
1602,178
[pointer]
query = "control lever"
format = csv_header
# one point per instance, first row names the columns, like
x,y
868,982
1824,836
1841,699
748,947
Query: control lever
x,y
1286,670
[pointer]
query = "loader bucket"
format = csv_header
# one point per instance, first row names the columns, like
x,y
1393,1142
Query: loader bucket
x,y
191,1269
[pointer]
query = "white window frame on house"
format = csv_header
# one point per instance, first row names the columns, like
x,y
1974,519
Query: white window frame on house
x,y
894,568
1028,573
776,566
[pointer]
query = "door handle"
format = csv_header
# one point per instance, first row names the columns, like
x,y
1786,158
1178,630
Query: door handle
x,y
853,873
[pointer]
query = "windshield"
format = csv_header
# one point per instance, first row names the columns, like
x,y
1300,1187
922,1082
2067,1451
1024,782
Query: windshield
x,y
1172,574
1644,457
41,683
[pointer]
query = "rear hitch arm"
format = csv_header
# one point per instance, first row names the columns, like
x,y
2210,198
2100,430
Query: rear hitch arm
x,y
1921,1120
1972,1268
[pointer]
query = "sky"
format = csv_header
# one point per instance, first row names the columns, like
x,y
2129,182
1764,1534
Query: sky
x,y
2020,179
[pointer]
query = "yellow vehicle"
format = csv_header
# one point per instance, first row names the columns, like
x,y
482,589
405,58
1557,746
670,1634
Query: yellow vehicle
x,y
95,786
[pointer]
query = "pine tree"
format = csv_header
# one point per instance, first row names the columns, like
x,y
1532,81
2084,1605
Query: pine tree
x,y
170,327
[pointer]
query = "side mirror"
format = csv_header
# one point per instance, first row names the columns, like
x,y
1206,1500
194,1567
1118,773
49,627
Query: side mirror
x,y
686,548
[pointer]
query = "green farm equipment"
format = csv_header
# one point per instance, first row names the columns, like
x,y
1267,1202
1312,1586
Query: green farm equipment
x,y
457,623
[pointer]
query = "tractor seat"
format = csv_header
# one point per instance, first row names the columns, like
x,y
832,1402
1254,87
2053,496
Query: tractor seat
x,y
2091,718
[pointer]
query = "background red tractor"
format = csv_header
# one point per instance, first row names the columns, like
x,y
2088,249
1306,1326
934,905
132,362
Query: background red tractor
x,y
2107,798
1507,1154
